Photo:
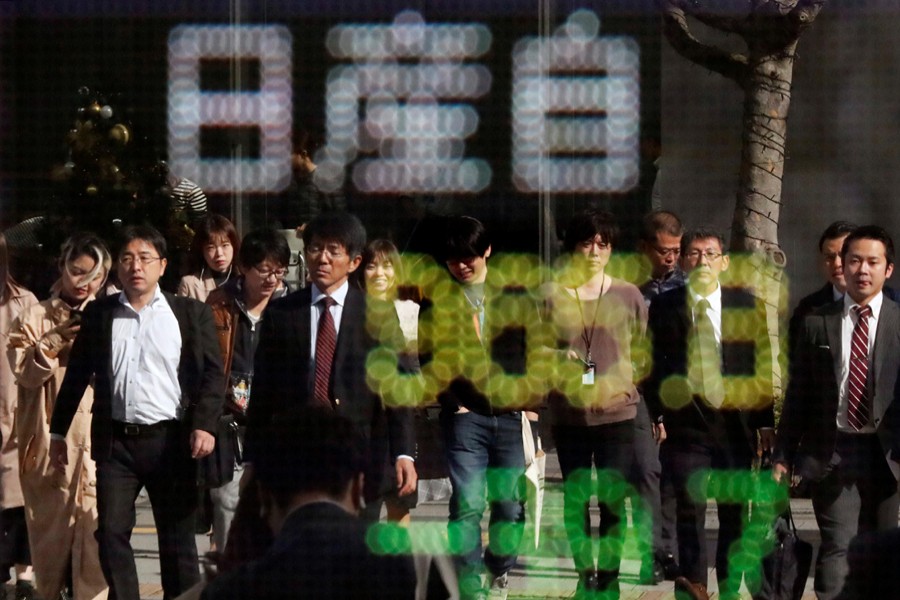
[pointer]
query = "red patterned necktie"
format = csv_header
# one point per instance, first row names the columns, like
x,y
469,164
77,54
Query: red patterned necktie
x,y
326,341
857,390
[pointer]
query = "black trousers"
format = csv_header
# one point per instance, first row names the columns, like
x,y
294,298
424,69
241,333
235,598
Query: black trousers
x,y
683,460
609,449
160,461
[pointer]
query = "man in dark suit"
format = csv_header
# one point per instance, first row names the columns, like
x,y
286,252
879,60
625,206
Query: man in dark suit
x,y
830,243
158,385
311,502
313,348
707,341
839,429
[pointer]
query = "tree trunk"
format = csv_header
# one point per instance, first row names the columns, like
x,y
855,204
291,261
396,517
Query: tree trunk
x,y
767,99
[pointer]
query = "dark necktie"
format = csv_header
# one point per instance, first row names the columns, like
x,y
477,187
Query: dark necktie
x,y
705,371
326,341
857,390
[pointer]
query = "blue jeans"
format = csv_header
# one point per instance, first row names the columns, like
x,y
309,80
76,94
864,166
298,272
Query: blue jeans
x,y
486,461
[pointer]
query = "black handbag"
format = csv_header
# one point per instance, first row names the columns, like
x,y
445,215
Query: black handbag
x,y
786,568
217,469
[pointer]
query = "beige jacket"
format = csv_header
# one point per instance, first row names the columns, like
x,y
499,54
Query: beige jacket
x,y
10,489
199,286
60,507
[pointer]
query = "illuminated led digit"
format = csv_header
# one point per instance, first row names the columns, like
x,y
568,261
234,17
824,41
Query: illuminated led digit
x,y
747,344
268,108
768,499
576,94
392,120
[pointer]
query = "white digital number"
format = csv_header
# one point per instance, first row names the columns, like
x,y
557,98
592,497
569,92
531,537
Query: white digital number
x,y
269,108
395,112
579,94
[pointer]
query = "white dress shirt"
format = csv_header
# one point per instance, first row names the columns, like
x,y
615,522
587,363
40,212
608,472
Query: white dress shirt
x,y
714,311
146,351
842,369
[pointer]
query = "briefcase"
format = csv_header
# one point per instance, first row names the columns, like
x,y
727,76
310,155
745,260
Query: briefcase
x,y
217,468
786,568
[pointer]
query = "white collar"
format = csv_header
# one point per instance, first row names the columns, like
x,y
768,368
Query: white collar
x,y
875,303
339,295
157,296
714,299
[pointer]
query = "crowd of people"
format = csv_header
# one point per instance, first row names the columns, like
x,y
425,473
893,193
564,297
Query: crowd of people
x,y
269,404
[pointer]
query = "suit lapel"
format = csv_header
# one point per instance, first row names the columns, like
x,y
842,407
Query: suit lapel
x,y
301,329
832,318
354,312
885,349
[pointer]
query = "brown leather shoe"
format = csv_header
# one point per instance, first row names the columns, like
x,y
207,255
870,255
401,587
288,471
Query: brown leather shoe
x,y
690,590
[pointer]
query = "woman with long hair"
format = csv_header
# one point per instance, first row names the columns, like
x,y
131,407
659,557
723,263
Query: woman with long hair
x,y
60,507
14,549
215,245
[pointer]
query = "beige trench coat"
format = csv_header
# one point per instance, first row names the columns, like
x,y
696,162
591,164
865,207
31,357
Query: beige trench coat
x,y
60,507
10,490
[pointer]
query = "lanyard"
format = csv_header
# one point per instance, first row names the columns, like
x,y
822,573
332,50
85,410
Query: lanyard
x,y
588,334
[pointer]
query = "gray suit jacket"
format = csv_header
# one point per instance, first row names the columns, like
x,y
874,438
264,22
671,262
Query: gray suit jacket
x,y
808,427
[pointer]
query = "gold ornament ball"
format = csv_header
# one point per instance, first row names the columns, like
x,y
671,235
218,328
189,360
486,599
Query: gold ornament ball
x,y
91,190
119,134
94,109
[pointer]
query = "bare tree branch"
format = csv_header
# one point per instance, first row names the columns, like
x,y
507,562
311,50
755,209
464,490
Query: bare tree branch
x,y
675,26
724,23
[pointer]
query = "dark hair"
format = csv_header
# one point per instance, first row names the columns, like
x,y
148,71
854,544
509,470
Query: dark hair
x,y
836,230
340,227
586,224
6,280
871,232
380,249
309,450
145,233
660,221
464,237
702,233
262,244
212,226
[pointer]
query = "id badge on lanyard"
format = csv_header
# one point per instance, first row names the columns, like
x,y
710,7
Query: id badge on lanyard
x,y
587,378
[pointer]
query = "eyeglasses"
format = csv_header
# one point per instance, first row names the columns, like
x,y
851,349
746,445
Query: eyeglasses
x,y
143,260
709,254
332,250
667,252
278,273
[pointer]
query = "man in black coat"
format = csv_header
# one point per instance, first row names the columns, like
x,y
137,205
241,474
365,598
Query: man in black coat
x,y
313,349
839,428
712,383
157,376
311,502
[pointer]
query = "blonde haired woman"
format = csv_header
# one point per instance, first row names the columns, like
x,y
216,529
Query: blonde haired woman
x,y
60,507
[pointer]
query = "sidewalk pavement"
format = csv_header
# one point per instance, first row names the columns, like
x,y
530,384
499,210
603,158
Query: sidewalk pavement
x,y
545,572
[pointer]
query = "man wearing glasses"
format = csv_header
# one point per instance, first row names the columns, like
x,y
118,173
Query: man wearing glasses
x,y
703,333
313,348
238,313
157,377
660,243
